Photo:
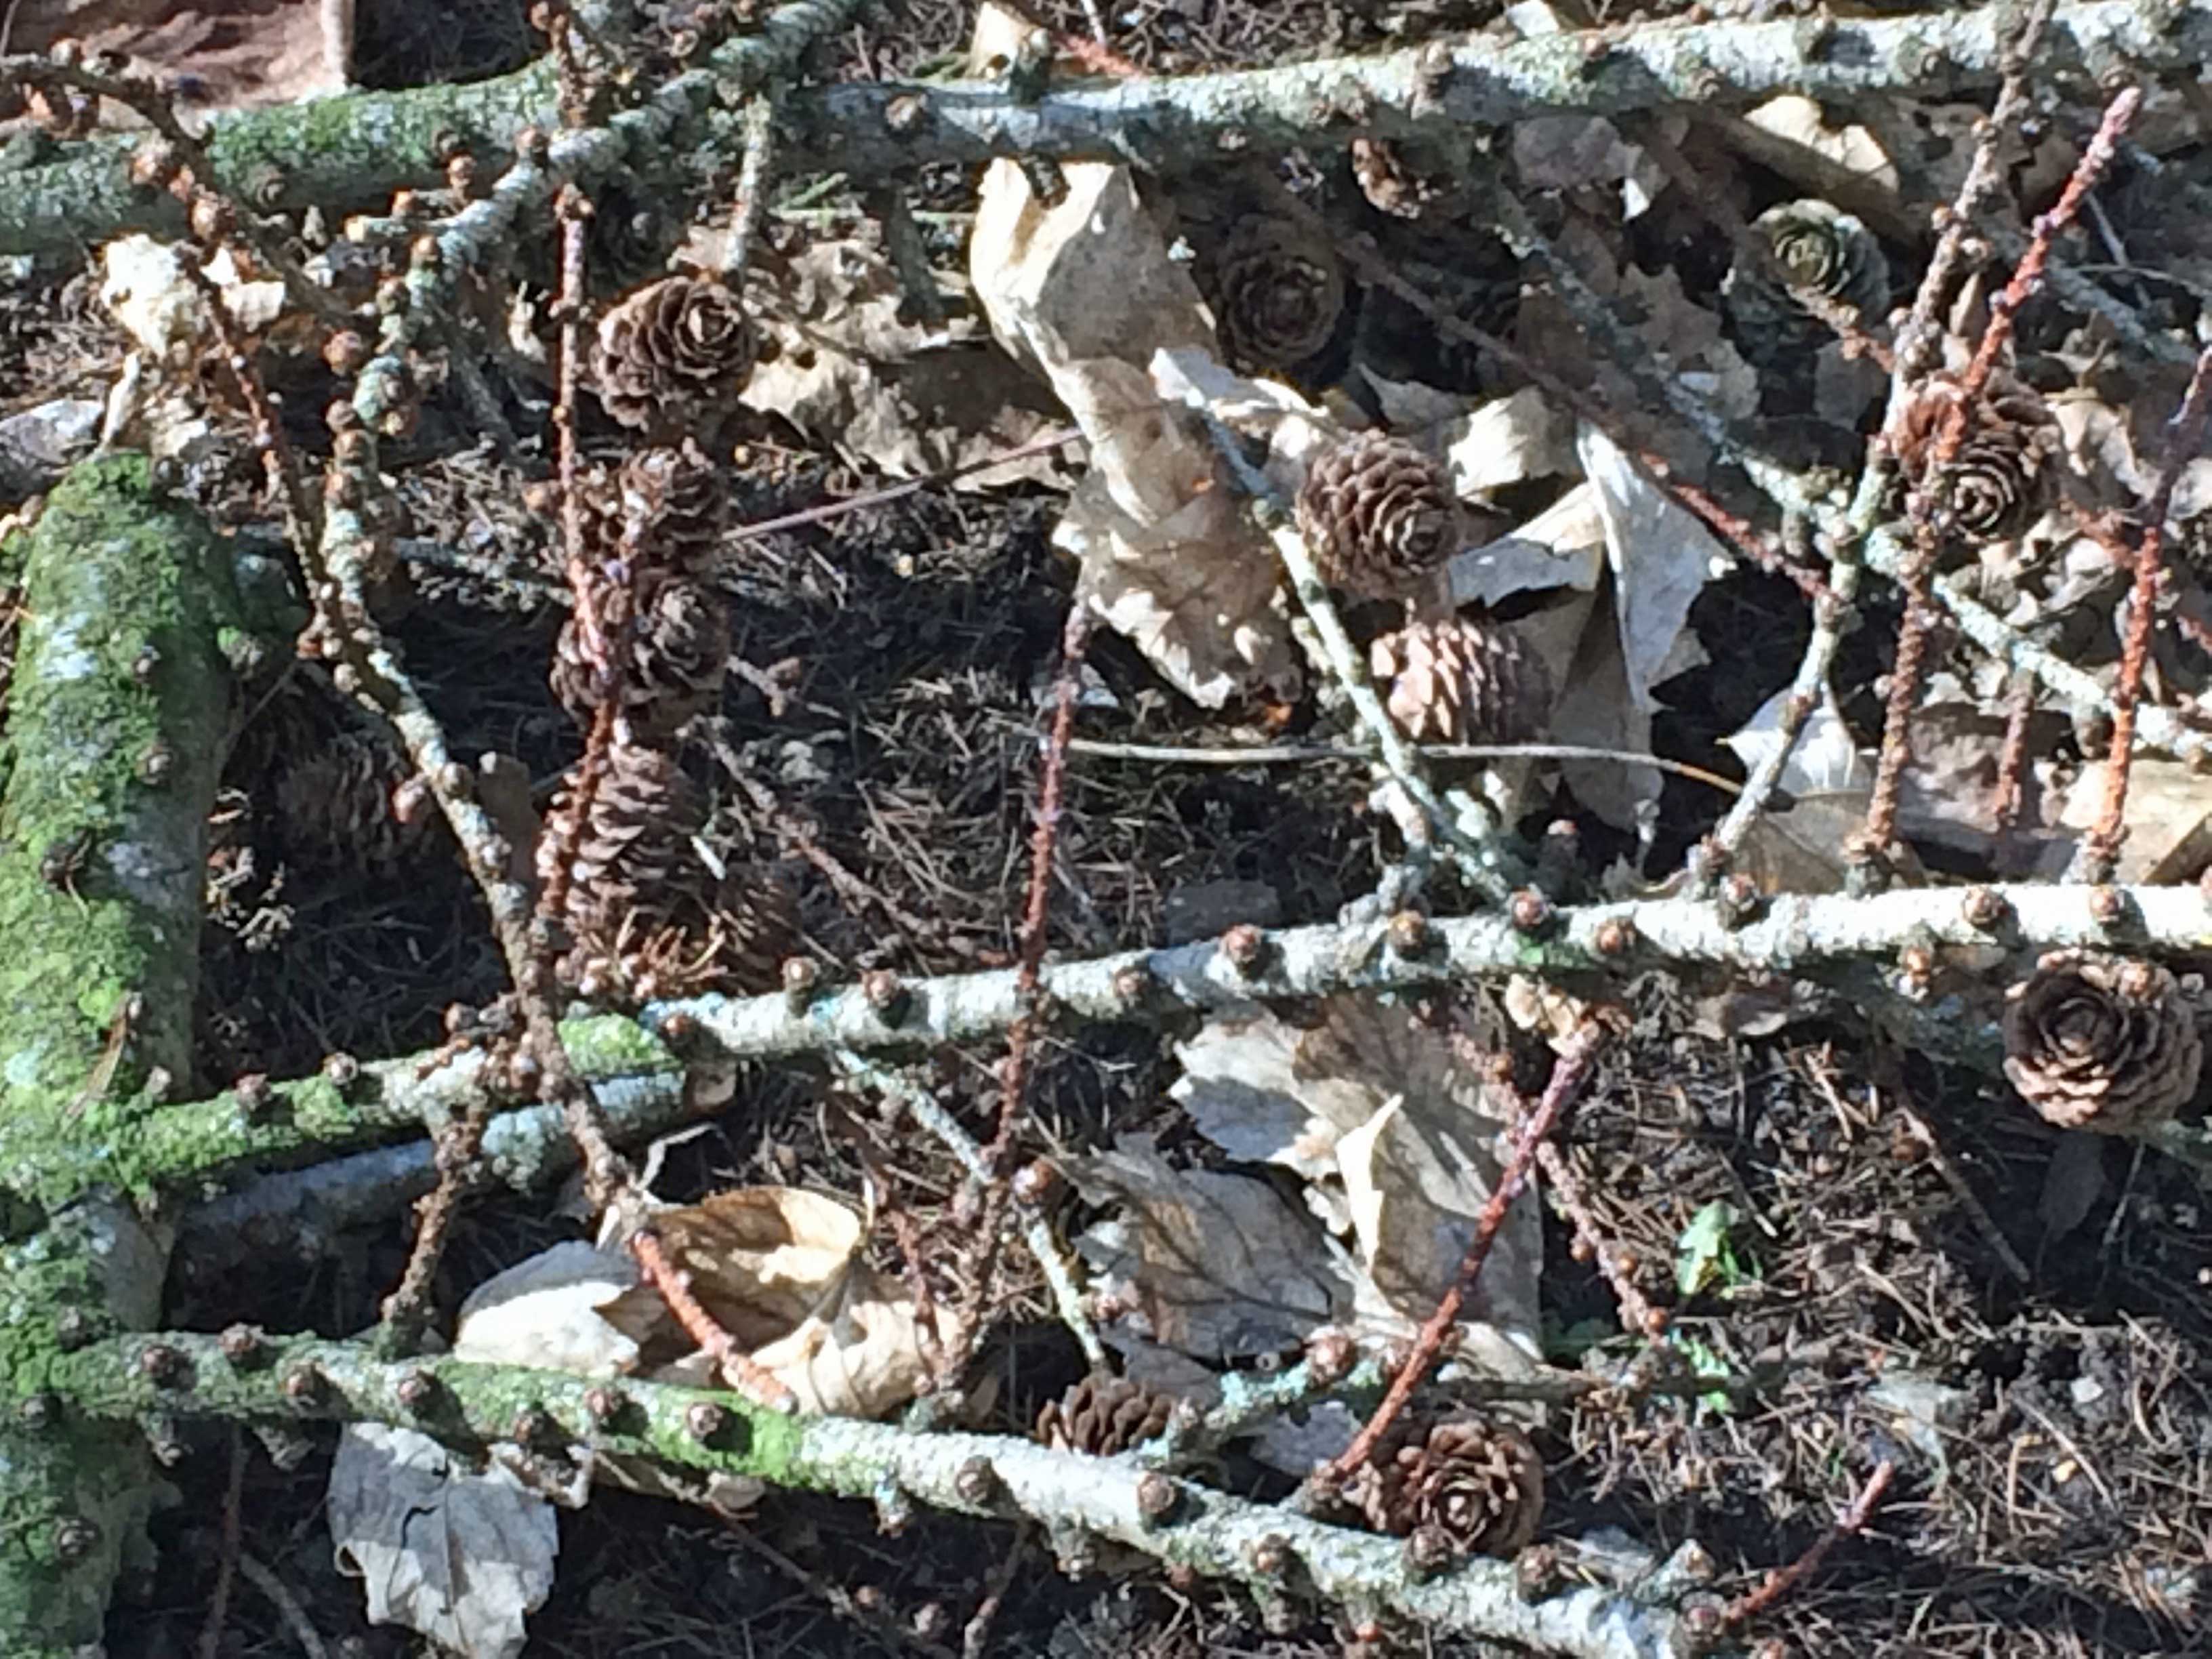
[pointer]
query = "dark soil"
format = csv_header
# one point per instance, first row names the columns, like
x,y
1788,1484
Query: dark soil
x,y
1897,1291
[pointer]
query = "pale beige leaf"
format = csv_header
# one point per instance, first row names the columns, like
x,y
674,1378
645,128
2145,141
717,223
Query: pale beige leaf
x,y
225,54
552,1311
1800,121
457,1554
1085,292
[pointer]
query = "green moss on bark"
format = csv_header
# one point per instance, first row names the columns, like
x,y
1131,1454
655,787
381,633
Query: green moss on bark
x,y
115,726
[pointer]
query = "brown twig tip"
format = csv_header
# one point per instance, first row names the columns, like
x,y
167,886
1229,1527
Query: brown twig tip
x,y
1780,1582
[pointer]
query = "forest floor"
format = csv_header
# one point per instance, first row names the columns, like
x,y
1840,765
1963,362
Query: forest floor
x,y
1904,1277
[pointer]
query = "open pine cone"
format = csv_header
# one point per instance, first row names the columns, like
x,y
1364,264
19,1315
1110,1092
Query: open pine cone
x,y
2099,1042
1824,252
1278,295
673,505
634,847
1462,680
337,808
669,639
674,351
1378,514
1103,1416
735,942
2000,477
1480,1484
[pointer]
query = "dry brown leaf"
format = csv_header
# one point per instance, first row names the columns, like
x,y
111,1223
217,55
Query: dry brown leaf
x,y
568,1309
1216,1266
227,54
889,394
781,1269
460,1555
1086,292
1395,1137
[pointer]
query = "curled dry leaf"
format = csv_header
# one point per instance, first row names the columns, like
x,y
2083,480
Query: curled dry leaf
x,y
145,288
781,1270
460,1555
1660,558
1216,1266
851,371
1800,849
222,54
1084,291
1393,1137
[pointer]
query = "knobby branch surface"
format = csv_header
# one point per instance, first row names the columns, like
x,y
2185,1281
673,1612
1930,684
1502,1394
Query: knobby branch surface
x,y
1271,1551
357,150
1853,942
117,722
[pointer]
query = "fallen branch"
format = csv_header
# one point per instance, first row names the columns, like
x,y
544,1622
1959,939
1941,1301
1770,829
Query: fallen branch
x,y
1272,1552
356,150
1832,937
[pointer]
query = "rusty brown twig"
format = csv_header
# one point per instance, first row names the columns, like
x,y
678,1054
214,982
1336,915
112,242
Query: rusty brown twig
x,y
738,1369
1779,1582
1577,1060
2101,851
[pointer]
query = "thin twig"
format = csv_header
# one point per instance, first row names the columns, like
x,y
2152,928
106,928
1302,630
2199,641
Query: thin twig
x,y
1926,504
1578,1058
264,1579
1780,1582
738,1369
1277,753
2100,851
1037,1232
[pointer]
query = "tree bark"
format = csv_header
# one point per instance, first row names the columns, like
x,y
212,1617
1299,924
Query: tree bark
x,y
116,723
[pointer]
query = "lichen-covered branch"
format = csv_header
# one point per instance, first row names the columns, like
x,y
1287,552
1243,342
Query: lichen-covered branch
x,y
1273,1552
357,150
1853,943
117,720
1175,123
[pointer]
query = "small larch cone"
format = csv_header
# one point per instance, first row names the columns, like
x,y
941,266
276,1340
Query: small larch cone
x,y
634,844
1378,516
1825,255
675,352
2103,1042
735,942
1462,680
668,641
673,504
1480,1484
346,808
1278,295
1103,1416
2000,478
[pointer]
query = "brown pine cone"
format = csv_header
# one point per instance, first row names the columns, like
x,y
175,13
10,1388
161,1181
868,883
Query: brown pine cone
x,y
1103,1416
1462,681
1825,252
736,945
339,808
2103,1042
2000,477
1377,514
1480,1484
673,352
1278,295
633,850
673,504
668,640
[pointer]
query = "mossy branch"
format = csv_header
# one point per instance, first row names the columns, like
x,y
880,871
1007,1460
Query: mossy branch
x,y
1856,945
356,150
117,720
1274,1554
